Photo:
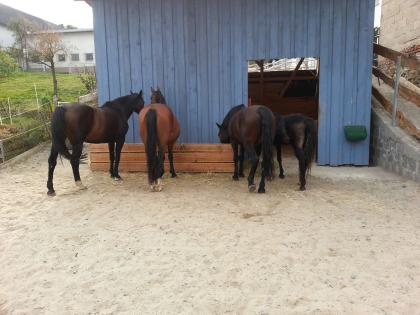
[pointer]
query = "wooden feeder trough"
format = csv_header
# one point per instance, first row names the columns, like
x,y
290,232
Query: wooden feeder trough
x,y
194,158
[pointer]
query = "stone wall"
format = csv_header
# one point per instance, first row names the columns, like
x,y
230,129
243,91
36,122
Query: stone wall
x,y
391,148
400,23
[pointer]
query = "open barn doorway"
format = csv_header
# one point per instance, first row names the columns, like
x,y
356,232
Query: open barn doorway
x,y
286,86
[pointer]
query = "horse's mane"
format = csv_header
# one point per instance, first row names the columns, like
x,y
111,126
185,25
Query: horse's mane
x,y
230,114
119,102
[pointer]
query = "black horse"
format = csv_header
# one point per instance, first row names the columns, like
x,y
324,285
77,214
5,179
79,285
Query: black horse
x,y
301,132
82,123
252,129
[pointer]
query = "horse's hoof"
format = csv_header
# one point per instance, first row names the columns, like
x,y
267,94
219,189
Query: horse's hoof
x,y
51,193
80,185
261,190
251,188
241,175
117,178
173,175
302,188
235,177
281,175
158,187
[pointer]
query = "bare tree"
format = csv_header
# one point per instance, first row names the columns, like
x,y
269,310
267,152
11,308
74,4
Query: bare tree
x,y
21,29
44,46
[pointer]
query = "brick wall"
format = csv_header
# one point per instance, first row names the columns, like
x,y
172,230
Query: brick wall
x,y
400,23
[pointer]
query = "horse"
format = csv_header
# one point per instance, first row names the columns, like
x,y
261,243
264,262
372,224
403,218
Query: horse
x,y
82,123
224,135
159,129
301,132
252,128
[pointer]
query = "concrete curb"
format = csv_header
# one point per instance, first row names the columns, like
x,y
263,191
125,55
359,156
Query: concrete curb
x,y
25,155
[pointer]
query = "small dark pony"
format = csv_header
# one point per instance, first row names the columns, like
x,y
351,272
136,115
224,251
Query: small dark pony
x,y
252,130
159,129
301,132
80,123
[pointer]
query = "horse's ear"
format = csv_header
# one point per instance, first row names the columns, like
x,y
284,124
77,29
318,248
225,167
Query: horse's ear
x,y
158,88
219,126
131,92
151,88
141,93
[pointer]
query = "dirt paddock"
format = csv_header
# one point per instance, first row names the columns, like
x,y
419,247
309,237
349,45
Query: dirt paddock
x,y
350,244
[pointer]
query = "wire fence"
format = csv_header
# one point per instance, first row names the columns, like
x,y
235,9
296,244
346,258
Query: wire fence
x,y
20,128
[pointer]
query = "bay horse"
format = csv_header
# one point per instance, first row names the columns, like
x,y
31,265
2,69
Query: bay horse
x,y
301,132
82,123
252,128
224,135
159,130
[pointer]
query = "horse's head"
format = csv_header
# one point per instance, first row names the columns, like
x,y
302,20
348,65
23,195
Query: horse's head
x,y
157,96
136,101
223,134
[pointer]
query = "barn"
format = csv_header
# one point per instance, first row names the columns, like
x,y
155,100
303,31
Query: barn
x,y
199,53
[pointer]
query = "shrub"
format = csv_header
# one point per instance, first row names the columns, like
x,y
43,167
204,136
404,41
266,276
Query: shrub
x,y
89,80
7,64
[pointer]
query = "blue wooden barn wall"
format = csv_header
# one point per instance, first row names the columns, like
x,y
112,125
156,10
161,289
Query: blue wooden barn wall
x,y
197,52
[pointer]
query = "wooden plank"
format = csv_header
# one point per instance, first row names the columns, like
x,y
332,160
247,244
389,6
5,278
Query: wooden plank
x,y
179,167
282,79
405,92
402,121
406,60
191,69
292,75
139,147
101,50
187,157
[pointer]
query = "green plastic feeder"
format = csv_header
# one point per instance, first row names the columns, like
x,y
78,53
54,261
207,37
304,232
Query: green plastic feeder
x,y
355,132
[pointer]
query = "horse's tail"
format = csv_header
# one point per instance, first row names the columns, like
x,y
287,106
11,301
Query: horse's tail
x,y
58,132
309,148
151,125
266,139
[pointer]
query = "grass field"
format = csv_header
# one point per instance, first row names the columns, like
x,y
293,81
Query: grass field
x,y
20,87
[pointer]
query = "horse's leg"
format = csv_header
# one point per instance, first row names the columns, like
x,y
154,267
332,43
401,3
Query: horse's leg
x,y
235,160
75,161
171,160
241,161
302,167
253,154
52,162
281,175
161,160
160,168
118,148
111,148
264,173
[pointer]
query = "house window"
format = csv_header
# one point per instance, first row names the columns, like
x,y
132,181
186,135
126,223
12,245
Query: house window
x,y
89,57
61,57
74,57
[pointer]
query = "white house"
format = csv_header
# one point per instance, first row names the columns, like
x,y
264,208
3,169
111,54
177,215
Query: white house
x,y
6,36
79,54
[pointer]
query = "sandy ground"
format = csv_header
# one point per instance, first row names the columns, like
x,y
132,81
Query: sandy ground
x,y
350,244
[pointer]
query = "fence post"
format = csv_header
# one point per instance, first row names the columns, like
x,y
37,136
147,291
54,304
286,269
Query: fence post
x,y
36,95
396,86
2,155
10,112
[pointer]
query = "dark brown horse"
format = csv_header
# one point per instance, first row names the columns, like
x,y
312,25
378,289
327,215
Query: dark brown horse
x,y
301,132
159,129
82,123
252,130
